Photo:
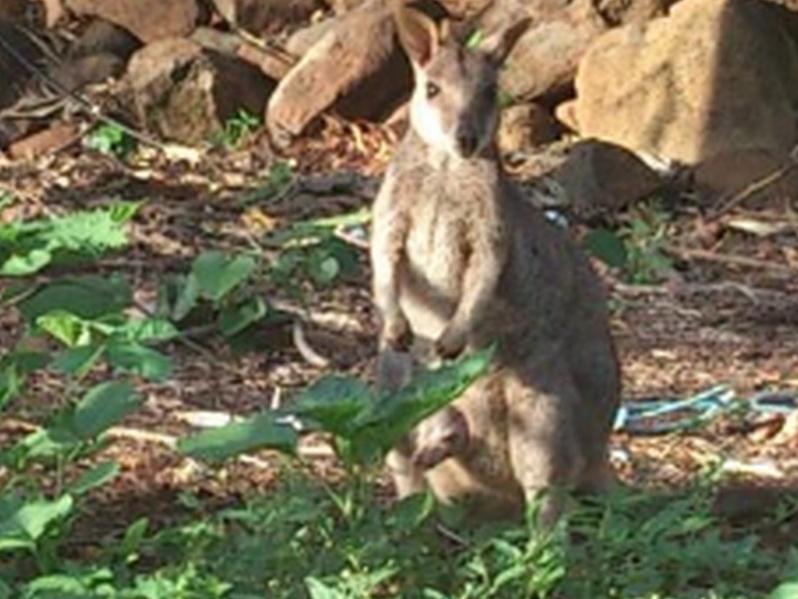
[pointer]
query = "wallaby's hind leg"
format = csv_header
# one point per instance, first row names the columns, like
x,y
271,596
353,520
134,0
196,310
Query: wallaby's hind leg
x,y
544,452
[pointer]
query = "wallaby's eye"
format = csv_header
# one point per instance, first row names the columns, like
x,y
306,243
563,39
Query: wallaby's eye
x,y
432,90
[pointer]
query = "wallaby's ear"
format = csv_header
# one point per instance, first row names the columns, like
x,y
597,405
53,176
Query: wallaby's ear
x,y
498,45
418,34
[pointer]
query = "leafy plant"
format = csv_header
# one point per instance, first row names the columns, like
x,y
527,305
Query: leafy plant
x,y
109,138
279,179
639,248
236,129
28,247
313,251
364,426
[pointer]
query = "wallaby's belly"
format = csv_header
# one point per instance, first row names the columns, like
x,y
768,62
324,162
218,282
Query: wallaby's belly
x,y
431,280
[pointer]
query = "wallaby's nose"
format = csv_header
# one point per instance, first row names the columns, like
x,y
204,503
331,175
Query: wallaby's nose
x,y
466,141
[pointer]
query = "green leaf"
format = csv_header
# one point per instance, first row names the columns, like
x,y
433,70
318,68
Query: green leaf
x,y
14,369
67,328
395,415
149,330
134,357
411,512
88,297
606,246
259,432
187,296
786,590
101,408
18,265
334,403
217,274
134,536
323,268
235,319
96,477
77,361
24,526
475,40
319,590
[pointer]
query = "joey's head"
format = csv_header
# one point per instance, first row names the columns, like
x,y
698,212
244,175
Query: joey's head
x,y
454,106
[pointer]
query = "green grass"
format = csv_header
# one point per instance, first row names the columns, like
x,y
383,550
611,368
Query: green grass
x,y
307,540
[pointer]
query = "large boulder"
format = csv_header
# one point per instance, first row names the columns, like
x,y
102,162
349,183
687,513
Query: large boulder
x,y
148,20
186,93
266,16
715,76
356,66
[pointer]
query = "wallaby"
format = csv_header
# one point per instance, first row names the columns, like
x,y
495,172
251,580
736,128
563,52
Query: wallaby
x,y
461,261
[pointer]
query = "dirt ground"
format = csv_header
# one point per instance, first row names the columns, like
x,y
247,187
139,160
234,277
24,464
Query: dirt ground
x,y
715,321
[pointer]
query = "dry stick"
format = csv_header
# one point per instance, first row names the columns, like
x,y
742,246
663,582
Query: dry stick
x,y
757,186
168,441
709,256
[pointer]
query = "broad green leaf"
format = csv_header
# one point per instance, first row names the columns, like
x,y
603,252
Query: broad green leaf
x,y
31,520
101,408
77,361
334,403
606,246
134,357
235,319
149,330
88,297
134,536
217,274
259,432
19,265
96,477
394,415
323,268
786,590
43,443
95,583
64,326
187,296
27,247
319,590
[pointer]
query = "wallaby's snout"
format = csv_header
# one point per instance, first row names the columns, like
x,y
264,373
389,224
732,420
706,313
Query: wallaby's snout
x,y
467,141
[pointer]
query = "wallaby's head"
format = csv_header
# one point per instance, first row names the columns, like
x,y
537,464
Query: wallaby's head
x,y
454,107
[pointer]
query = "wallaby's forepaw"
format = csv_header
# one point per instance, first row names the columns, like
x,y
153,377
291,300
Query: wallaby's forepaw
x,y
451,343
396,333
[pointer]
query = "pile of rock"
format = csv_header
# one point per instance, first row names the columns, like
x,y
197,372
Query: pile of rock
x,y
706,83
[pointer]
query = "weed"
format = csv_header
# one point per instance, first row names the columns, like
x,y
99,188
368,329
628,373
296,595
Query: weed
x,y
111,139
638,249
236,130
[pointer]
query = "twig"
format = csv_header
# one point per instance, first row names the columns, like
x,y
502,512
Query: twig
x,y
756,186
304,348
709,256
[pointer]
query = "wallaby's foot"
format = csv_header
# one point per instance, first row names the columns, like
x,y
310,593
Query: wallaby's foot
x,y
396,332
440,437
451,343
394,370
550,504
